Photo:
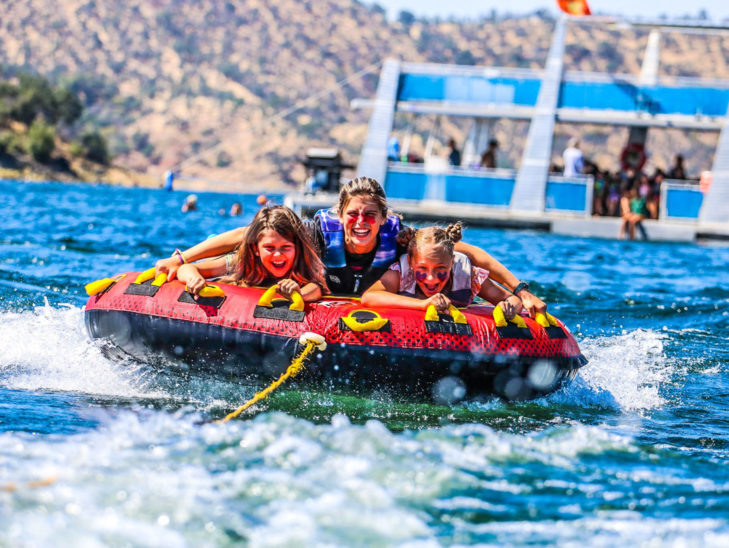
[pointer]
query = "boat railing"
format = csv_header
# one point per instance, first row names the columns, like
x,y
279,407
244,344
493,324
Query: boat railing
x,y
569,194
483,187
680,201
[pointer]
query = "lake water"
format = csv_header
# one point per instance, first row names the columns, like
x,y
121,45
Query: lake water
x,y
101,453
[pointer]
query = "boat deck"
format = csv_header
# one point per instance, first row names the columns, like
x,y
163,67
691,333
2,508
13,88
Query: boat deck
x,y
569,224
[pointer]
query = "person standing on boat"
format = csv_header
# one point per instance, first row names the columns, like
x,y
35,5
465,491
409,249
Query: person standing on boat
x,y
488,158
393,149
677,171
454,157
573,160
358,243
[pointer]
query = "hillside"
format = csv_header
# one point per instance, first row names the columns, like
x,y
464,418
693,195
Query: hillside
x,y
207,82
41,137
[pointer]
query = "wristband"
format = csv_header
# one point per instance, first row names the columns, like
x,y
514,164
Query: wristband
x,y
521,286
180,256
228,265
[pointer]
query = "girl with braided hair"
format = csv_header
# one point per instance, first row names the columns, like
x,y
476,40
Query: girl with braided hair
x,y
431,272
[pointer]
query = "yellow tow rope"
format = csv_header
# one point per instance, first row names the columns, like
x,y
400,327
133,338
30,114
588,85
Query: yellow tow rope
x,y
312,341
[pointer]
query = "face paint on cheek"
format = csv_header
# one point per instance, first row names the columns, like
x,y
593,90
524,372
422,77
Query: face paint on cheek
x,y
421,276
442,276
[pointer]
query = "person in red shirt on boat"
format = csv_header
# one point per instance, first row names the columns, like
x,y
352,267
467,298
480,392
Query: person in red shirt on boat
x,y
276,250
432,273
358,243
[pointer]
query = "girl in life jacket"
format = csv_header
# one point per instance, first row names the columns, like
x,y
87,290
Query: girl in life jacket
x,y
276,250
433,273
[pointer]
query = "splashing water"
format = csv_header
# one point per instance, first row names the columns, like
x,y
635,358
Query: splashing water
x,y
625,372
47,349
97,452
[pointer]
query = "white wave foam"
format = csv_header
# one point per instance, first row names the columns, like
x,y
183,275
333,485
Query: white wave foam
x,y
614,529
277,480
48,349
625,372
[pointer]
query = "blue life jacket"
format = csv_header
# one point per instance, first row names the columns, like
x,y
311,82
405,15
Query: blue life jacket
x,y
341,279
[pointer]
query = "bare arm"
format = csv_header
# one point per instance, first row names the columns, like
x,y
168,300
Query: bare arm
x,y
503,275
217,245
494,293
497,271
509,303
384,293
624,207
194,275
310,292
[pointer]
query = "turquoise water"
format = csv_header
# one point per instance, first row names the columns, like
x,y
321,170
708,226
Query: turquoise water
x,y
101,453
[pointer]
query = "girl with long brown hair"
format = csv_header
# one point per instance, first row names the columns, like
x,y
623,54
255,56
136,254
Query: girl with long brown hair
x,y
276,250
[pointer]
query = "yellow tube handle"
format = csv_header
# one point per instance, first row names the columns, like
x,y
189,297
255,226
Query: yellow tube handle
x,y
144,276
160,279
209,290
431,314
297,301
148,275
98,286
371,325
500,319
545,320
94,288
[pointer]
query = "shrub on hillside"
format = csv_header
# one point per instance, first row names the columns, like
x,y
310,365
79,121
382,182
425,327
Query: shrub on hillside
x,y
406,18
91,88
41,141
33,97
68,106
95,147
76,149
5,141
10,143
140,142
224,159
465,57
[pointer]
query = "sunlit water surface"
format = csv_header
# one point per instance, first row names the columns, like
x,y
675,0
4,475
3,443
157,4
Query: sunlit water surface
x,y
95,452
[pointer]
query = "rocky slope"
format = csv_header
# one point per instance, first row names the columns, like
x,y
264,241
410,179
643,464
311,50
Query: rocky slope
x,y
209,84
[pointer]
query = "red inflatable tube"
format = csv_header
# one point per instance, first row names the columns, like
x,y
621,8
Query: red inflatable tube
x,y
405,352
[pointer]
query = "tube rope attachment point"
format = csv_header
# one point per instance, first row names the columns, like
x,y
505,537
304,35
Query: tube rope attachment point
x,y
310,341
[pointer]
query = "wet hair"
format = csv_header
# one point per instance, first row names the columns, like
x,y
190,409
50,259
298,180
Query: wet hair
x,y
366,187
437,237
307,267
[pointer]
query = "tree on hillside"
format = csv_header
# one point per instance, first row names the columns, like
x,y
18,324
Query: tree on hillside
x,y
41,141
406,18
33,97
69,106
95,147
33,101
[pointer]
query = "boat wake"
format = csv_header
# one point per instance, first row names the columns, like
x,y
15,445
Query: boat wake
x,y
47,349
624,372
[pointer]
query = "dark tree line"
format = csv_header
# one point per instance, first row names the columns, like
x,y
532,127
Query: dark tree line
x,y
44,109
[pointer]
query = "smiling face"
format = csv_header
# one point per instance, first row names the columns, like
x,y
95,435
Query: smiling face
x,y
361,219
432,269
277,254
